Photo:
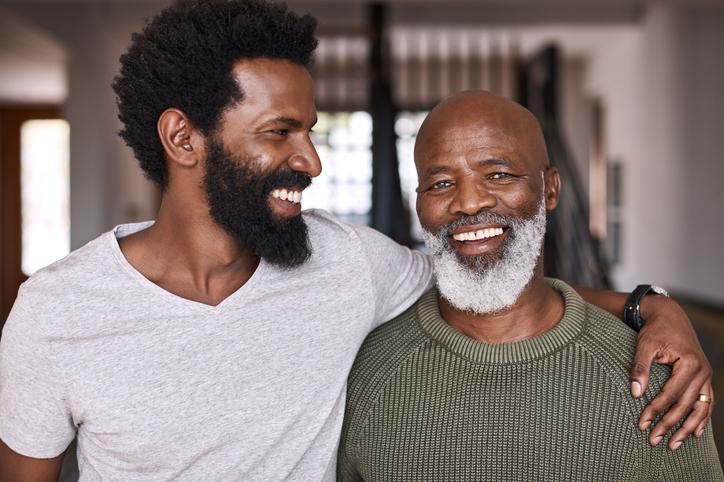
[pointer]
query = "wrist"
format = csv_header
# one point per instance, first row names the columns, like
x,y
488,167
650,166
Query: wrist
x,y
654,304
634,313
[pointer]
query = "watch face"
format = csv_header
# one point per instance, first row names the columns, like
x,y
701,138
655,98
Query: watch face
x,y
659,290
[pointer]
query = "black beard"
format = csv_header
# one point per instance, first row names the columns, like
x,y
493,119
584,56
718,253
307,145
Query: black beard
x,y
238,202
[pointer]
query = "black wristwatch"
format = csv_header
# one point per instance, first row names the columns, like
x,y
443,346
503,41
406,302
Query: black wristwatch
x,y
632,311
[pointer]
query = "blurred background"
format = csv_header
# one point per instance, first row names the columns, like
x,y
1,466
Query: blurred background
x,y
630,94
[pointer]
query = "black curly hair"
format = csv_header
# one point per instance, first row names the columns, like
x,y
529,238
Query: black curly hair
x,y
183,58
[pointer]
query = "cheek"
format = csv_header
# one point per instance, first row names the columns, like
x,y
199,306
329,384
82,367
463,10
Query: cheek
x,y
432,212
523,201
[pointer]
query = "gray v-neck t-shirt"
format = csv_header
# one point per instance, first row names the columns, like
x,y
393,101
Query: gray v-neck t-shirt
x,y
158,387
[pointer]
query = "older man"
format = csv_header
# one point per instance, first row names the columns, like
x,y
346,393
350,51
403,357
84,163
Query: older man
x,y
498,374
215,342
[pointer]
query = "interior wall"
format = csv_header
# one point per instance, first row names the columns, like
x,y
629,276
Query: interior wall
x,y
659,81
702,164
107,187
670,133
32,64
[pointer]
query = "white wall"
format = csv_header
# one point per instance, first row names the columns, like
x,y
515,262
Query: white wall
x,y
666,127
107,186
702,153
32,64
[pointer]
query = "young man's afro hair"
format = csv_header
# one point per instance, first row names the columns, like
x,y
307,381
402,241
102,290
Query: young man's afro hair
x,y
183,59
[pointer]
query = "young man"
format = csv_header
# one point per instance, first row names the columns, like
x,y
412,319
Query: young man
x,y
215,343
497,374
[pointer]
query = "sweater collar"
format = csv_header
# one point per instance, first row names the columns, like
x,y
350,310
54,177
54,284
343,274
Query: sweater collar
x,y
570,326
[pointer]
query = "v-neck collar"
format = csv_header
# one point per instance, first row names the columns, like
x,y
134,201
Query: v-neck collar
x,y
124,230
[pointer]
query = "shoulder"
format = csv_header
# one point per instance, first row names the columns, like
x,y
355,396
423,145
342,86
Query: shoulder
x,y
323,224
385,350
611,345
72,267
64,286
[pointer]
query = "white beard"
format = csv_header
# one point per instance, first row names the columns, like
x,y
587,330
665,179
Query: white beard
x,y
489,287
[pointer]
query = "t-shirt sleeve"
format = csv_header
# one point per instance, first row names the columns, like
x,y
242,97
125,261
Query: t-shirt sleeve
x,y
398,274
35,419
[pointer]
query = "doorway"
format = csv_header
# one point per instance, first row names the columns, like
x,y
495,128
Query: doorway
x,y
33,162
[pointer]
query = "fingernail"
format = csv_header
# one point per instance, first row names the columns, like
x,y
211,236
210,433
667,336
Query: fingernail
x,y
636,389
646,425
657,440
676,445
700,433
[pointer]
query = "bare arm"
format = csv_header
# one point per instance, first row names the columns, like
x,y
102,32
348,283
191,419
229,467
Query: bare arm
x,y
19,468
667,337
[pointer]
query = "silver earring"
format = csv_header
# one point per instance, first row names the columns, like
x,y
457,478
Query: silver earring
x,y
188,147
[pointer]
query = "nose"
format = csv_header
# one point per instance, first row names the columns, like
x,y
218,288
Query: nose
x,y
306,159
470,197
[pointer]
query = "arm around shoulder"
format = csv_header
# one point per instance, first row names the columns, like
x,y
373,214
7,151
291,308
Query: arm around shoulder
x,y
399,275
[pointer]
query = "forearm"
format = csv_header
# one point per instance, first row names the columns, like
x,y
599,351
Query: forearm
x,y
611,301
615,302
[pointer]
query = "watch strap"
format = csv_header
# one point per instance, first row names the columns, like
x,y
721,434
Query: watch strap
x,y
632,310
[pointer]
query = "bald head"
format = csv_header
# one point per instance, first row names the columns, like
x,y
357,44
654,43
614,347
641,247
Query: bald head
x,y
480,118
479,152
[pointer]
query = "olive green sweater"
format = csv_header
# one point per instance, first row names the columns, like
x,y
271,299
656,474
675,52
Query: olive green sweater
x,y
425,402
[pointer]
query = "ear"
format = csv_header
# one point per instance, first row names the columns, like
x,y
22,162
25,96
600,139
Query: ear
x,y
552,187
181,142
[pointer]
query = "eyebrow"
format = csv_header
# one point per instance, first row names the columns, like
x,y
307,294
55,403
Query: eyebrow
x,y
436,170
491,161
288,121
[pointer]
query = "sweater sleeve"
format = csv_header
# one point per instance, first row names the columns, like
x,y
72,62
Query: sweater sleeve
x,y
696,460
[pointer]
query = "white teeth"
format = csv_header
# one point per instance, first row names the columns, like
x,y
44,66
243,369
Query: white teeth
x,y
479,234
291,196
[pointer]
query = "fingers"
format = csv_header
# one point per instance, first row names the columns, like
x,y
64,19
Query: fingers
x,y
685,371
687,404
706,389
639,375
698,415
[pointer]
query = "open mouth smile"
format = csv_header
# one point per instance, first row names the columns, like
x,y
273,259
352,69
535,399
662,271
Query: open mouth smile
x,y
476,240
286,202
478,234
290,195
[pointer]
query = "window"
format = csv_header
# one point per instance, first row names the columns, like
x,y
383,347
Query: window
x,y
406,127
45,192
343,141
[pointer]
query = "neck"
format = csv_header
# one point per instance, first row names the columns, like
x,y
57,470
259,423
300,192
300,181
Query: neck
x,y
186,252
538,309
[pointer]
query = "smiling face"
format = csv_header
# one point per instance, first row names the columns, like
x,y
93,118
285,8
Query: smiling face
x,y
261,158
484,187
271,125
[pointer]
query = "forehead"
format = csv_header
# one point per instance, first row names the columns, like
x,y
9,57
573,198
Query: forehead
x,y
447,145
274,85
